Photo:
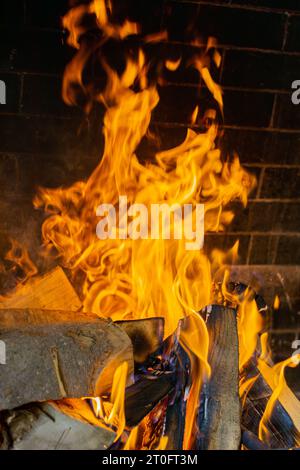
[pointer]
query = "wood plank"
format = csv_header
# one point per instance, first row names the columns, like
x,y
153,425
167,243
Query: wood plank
x,y
53,291
43,427
219,416
54,354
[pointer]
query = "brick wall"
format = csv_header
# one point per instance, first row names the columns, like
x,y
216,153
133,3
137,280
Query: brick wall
x,y
260,44
44,142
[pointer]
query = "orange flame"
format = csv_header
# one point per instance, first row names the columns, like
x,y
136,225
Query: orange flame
x,y
131,279
276,379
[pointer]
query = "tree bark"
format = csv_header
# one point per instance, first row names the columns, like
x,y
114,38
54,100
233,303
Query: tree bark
x,y
55,354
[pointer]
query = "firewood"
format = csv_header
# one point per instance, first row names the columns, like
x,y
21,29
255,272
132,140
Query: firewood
x,y
219,415
146,336
251,441
42,427
57,354
53,291
176,410
145,394
284,424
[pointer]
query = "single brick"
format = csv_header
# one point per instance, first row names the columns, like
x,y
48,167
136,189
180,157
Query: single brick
x,y
293,37
263,249
287,114
231,26
281,183
288,250
248,108
260,70
12,92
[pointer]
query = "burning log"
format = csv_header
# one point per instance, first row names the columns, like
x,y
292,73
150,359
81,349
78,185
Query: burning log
x,y
284,423
251,442
43,427
219,415
57,354
176,411
146,336
143,396
53,291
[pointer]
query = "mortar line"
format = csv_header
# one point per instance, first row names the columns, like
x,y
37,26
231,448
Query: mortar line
x,y
20,103
275,251
237,48
240,6
285,32
228,126
273,114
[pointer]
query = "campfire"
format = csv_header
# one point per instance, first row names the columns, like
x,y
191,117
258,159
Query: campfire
x,y
137,338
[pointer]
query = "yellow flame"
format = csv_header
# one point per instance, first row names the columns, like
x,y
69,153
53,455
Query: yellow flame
x,y
276,378
131,279
276,304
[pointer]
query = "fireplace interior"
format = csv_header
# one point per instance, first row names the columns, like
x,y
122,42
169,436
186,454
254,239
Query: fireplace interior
x,y
84,373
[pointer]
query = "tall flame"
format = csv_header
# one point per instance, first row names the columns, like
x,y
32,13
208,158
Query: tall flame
x,y
133,279
130,279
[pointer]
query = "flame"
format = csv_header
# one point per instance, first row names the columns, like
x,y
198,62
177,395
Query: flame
x,y
250,325
133,279
252,340
108,412
276,304
112,412
276,379
194,339
125,279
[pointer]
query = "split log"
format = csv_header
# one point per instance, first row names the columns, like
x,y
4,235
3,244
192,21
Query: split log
x,y
251,441
146,336
54,354
53,291
142,397
284,424
42,427
219,414
176,410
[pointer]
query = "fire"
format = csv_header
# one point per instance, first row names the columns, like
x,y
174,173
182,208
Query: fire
x,y
131,279
276,379
124,279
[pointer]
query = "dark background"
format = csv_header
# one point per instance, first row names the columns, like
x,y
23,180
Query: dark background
x,y
43,142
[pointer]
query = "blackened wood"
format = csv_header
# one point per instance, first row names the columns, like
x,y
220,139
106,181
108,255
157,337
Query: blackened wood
x,y
55,354
220,411
146,336
176,411
145,394
251,441
283,432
